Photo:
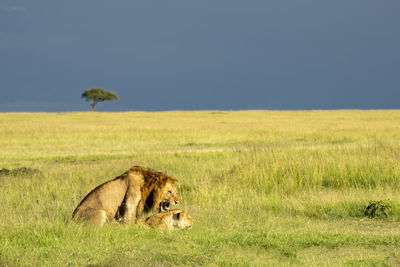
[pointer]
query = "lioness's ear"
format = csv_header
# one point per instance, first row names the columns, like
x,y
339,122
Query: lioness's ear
x,y
177,216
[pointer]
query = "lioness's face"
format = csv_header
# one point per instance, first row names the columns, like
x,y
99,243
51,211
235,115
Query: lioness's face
x,y
169,197
184,220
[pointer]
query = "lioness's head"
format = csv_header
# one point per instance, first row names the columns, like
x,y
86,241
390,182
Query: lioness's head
x,y
182,220
169,196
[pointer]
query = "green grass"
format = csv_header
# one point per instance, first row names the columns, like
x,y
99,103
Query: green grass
x,y
284,188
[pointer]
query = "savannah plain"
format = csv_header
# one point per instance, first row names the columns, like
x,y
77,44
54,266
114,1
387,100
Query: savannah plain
x,y
282,188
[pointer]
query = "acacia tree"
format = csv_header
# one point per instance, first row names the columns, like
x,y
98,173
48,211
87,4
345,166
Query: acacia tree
x,y
98,95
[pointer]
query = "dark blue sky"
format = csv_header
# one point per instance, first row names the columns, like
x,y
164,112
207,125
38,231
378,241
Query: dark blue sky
x,y
208,54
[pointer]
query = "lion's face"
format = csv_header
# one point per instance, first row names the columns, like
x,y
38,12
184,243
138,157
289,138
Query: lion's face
x,y
183,220
169,197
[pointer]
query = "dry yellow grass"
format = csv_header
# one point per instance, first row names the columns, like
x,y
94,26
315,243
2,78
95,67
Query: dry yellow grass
x,y
264,187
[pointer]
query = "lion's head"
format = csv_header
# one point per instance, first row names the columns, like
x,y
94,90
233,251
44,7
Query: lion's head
x,y
169,196
159,191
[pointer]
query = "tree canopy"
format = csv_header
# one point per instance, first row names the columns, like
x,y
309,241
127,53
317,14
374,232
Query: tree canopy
x,y
98,95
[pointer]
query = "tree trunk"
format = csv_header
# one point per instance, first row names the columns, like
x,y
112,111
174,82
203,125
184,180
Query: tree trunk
x,y
93,105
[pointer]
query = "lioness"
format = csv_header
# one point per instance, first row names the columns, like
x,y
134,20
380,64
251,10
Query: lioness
x,y
173,219
127,197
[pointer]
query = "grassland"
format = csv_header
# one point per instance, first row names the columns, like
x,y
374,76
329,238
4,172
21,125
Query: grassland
x,y
264,187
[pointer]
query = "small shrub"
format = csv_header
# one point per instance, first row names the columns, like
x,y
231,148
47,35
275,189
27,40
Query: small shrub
x,y
377,208
18,172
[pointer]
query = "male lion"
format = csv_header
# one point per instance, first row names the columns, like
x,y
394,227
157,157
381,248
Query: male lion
x,y
127,197
173,219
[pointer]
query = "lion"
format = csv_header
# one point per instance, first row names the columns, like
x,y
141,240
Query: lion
x,y
173,219
127,197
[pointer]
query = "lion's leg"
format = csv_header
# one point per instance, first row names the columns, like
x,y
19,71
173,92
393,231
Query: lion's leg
x,y
130,208
93,216
140,209
156,203
99,218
